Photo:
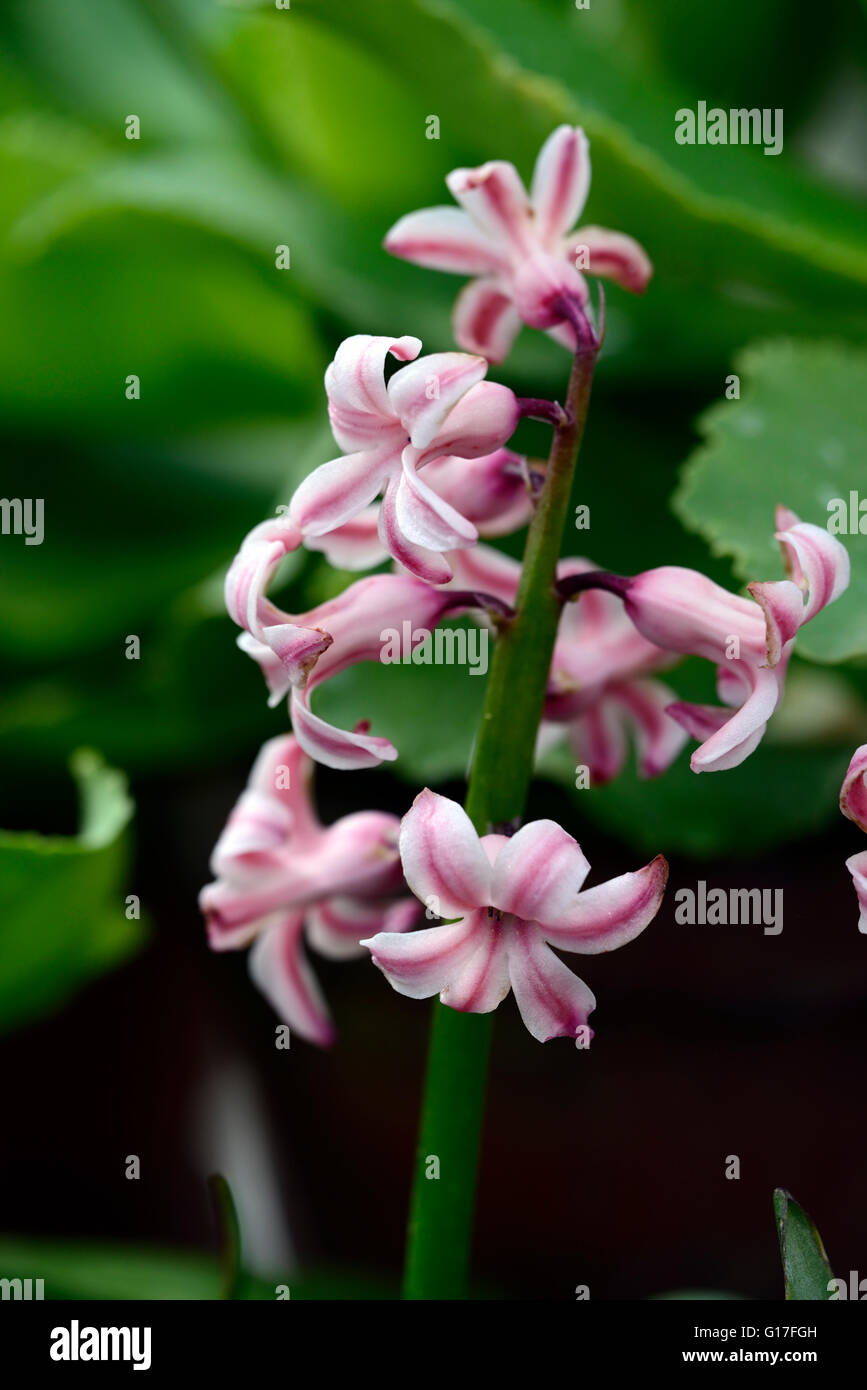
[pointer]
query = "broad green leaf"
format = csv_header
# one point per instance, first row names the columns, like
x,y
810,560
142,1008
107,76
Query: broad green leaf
x,y
727,217
62,906
776,795
77,1270
797,436
806,1270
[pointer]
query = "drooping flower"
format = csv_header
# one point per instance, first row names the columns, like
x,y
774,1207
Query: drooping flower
x,y
282,877
749,639
527,263
490,492
853,803
515,898
436,407
600,691
297,652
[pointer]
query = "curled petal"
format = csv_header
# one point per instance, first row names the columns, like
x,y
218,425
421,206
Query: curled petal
x,y
815,560
421,963
444,238
424,517
497,202
742,731
612,913
338,490
553,1002
853,793
484,319
355,380
423,393
614,255
782,603
280,970
283,772
338,748
296,648
857,867
253,568
561,182
443,860
417,559
538,874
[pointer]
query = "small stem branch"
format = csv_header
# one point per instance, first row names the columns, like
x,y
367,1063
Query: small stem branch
x,y
442,1207
575,584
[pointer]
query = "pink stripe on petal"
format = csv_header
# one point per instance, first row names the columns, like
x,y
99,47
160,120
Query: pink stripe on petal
x,y
612,254
561,182
423,393
538,874
553,1002
418,560
355,380
782,603
482,421
334,747
853,793
742,732
612,913
598,740
482,982
296,648
444,238
338,490
484,320
817,562
442,857
658,737
421,963
279,969
424,517
496,200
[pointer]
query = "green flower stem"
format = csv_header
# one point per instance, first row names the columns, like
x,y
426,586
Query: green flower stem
x,y
441,1218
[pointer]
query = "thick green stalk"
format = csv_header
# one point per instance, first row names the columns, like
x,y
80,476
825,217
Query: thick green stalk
x,y
441,1220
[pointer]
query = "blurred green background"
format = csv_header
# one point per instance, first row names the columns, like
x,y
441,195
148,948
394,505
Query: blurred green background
x,y
155,257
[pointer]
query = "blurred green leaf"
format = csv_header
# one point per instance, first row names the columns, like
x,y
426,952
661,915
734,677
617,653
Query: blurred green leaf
x,y
776,795
62,908
797,436
78,1270
806,1270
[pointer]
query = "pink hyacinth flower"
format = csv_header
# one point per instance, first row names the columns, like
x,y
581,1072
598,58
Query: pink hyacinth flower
x,y
527,262
435,407
749,639
490,492
515,899
298,652
599,688
281,878
853,803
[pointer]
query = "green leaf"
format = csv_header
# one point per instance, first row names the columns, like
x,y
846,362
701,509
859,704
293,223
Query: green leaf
x,y
806,1270
777,794
62,909
797,436
430,713
79,1270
